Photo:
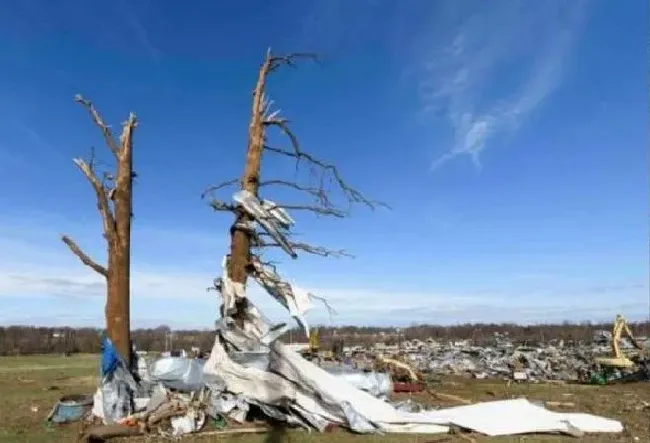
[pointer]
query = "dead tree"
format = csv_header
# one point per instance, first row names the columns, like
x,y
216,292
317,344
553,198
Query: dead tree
x,y
114,202
246,241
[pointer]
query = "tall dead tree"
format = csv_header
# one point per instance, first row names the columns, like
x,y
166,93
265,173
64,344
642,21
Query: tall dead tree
x,y
114,202
244,240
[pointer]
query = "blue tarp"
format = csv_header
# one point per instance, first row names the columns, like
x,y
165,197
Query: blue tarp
x,y
110,356
118,386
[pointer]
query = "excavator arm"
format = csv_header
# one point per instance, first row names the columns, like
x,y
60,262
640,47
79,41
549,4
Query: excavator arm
x,y
400,365
633,339
618,360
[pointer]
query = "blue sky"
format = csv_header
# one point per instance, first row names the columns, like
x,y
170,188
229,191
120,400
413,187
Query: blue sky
x,y
509,138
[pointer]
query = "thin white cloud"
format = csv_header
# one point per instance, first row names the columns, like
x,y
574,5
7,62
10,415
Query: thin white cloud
x,y
36,271
139,30
498,65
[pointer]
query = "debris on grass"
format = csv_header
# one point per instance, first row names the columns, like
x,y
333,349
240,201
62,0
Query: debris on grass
x,y
275,384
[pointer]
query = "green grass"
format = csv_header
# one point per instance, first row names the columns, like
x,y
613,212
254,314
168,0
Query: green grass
x,y
29,387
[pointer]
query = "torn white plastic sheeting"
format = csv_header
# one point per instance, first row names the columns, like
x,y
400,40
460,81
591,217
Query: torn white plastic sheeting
x,y
178,373
262,386
378,384
271,220
253,383
192,421
520,416
230,290
509,417
333,391
300,304
295,299
278,213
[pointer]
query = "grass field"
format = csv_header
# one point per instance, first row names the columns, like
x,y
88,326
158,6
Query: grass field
x,y
29,387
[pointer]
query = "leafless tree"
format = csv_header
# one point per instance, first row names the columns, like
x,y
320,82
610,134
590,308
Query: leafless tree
x,y
247,243
114,202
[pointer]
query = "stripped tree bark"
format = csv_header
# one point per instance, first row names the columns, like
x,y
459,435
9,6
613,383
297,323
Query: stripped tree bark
x,y
243,239
114,202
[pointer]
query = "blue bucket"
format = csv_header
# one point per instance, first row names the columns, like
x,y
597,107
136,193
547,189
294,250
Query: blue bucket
x,y
70,408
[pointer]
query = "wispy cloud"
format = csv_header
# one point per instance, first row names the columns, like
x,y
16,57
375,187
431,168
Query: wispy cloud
x,y
497,65
41,282
139,30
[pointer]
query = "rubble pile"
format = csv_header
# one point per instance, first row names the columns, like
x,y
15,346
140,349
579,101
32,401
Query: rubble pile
x,y
537,363
556,361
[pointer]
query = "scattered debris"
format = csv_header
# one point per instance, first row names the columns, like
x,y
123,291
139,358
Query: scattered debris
x,y
555,361
252,376
250,373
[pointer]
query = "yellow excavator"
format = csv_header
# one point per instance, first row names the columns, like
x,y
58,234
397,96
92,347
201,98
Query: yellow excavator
x,y
314,350
399,371
619,360
314,345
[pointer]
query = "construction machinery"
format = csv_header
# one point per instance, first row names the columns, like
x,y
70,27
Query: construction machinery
x,y
404,377
399,371
314,345
618,359
314,350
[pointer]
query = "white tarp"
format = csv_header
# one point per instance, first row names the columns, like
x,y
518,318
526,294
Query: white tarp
x,y
519,416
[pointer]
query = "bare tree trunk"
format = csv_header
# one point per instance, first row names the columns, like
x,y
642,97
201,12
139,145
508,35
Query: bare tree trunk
x,y
241,244
245,239
114,201
118,312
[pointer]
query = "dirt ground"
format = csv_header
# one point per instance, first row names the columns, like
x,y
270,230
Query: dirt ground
x,y
29,387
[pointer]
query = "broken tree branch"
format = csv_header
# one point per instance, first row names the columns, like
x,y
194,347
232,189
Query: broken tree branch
x,y
126,137
330,310
106,131
270,263
218,205
213,188
310,249
319,193
85,259
290,60
320,210
353,196
108,219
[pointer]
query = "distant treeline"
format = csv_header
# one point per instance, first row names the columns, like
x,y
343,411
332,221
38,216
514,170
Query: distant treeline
x,y
20,340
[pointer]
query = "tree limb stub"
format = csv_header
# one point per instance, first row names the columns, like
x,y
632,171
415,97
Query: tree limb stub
x,y
99,121
85,259
315,250
108,219
214,188
126,138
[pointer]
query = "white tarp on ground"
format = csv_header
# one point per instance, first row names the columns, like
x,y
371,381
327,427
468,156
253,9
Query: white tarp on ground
x,y
327,398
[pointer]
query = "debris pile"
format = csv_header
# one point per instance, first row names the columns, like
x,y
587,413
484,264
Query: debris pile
x,y
181,395
250,375
539,363
556,361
